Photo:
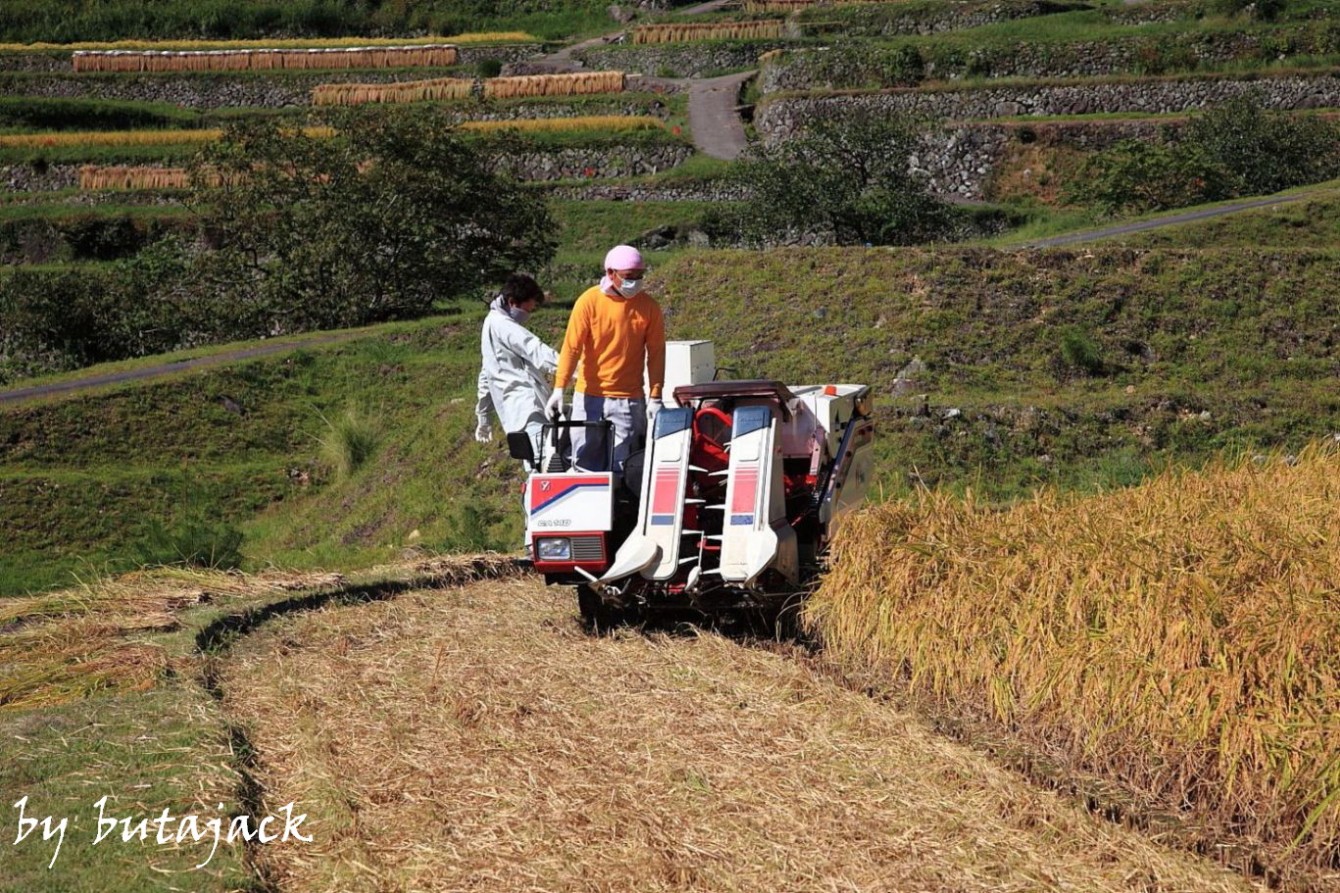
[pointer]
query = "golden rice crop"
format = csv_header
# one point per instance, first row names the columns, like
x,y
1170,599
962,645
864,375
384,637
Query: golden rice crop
x,y
125,137
291,43
427,55
1182,636
573,84
586,122
405,91
676,33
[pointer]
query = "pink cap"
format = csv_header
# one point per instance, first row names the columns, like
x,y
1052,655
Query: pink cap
x,y
623,257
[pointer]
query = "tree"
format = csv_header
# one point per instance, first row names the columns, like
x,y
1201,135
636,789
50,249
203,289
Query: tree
x,y
850,179
1266,151
377,221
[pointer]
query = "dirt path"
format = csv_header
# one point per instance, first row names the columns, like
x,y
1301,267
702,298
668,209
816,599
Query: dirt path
x,y
475,739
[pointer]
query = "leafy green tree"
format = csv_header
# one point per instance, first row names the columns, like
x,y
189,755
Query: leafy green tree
x,y
377,222
849,178
1266,151
1137,176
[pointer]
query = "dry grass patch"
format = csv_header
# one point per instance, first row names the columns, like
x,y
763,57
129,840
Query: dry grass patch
x,y
476,739
1182,637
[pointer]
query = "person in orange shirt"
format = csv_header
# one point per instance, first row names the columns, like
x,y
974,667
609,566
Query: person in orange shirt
x,y
615,330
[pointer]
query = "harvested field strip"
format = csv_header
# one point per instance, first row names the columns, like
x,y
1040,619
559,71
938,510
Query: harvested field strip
x,y
264,44
573,84
65,645
126,137
1182,637
475,738
687,31
407,91
426,56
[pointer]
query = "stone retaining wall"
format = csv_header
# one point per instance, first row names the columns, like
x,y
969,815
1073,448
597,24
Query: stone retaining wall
x,y
779,118
858,66
558,164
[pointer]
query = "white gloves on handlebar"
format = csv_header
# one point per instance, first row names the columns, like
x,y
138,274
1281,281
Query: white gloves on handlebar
x,y
553,409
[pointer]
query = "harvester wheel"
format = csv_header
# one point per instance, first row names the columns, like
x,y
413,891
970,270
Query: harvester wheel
x,y
597,616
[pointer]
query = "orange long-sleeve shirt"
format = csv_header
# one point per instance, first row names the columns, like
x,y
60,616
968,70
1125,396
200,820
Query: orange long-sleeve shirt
x,y
613,337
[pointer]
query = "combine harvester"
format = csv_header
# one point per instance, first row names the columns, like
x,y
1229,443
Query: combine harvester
x,y
728,510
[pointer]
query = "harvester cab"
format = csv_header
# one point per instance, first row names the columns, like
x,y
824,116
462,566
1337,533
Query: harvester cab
x,y
730,505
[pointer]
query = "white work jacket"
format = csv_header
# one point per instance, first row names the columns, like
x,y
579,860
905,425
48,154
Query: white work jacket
x,y
517,373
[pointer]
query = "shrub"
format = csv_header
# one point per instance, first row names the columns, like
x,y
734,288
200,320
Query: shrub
x,y
1138,176
1078,352
1236,149
350,441
194,542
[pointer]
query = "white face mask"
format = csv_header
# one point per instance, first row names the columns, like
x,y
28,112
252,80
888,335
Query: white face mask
x,y
518,315
630,287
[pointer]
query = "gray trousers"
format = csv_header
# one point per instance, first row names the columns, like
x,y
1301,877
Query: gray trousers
x,y
628,415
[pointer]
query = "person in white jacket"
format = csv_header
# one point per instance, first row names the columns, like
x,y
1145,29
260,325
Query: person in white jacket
x,y
517,368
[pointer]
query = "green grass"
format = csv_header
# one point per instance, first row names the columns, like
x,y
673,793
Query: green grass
x,y
595,226
24,21
145,752
1187,353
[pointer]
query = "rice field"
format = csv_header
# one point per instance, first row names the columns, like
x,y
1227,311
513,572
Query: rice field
x,y
476,739
425,56
1181,637
689,31
126,137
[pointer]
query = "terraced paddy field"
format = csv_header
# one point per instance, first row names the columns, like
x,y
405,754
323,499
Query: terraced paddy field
x,y
475,738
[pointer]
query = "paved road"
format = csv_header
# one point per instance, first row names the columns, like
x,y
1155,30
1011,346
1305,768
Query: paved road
x,y
713,119
21,395
1140,226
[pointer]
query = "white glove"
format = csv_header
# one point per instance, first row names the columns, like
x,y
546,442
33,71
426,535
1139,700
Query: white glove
x,y
653,408
483,431
554,408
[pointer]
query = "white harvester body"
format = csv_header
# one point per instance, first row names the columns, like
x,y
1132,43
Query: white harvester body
x,y
737,494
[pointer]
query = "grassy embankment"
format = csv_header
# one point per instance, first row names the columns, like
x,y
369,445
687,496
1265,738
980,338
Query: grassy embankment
x,y
1080,369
